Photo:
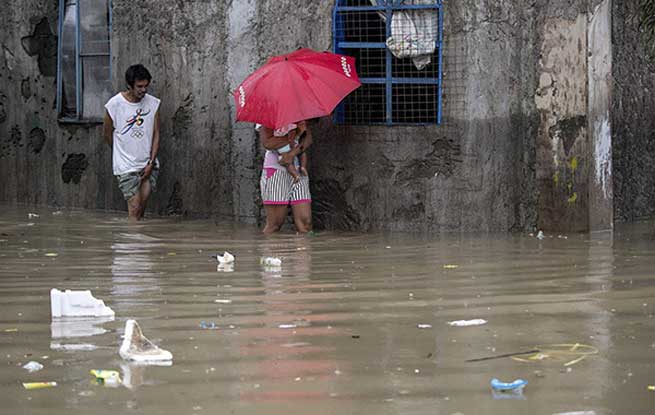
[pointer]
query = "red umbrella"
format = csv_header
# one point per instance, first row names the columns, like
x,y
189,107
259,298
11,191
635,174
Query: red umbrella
x,y
298,86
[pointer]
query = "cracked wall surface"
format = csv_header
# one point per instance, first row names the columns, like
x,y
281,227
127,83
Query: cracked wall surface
x,y
513,150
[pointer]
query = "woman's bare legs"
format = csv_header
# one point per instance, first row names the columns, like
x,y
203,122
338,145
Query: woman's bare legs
x,y
302,217
275,216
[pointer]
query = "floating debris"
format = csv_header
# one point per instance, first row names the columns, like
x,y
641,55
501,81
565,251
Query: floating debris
x,y
424,326
271,262
518,384
208,325
451,266
500,356
137,348
39,385
540,235
32,366
226,258
106,377
77,304
466,323
32,215
568,353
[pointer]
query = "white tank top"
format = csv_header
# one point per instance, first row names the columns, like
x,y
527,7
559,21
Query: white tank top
x,y
133,128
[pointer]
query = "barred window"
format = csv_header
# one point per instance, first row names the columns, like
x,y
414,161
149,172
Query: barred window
x,y
83,60
397,45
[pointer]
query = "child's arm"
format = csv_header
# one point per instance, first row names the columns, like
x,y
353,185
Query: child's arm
x,y
305,134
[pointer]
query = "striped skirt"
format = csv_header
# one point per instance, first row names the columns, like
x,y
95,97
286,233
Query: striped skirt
x,y
277,188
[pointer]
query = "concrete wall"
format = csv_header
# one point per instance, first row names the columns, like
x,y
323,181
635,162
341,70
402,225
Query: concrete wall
x,y
184,45
633,106
42,162
517,147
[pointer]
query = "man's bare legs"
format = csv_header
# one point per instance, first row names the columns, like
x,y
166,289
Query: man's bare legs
x,y
136,206
144,191
302,217
275,216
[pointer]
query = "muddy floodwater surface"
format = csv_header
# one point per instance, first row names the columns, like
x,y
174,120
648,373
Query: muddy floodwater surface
x,y
349,324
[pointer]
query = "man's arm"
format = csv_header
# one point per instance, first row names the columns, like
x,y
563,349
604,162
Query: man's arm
x,y
155,139
108,129
155,147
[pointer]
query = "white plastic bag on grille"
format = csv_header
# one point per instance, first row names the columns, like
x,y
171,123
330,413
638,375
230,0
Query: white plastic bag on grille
x,y
414,33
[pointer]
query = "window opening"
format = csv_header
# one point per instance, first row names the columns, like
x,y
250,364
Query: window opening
x,y
397,45
83,60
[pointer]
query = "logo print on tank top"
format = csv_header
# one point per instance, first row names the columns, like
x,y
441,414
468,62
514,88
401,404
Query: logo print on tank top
x,y
134,124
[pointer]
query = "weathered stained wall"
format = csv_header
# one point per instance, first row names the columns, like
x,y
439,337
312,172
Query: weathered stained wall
x,y
42,162
517,146
562,106
183,44
573,99
633,134
474,172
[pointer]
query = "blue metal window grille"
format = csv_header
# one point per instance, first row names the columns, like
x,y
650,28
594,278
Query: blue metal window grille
x,y
83,60
394,90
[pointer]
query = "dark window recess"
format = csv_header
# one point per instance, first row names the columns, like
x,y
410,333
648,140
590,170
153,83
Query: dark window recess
x,y
415,104
365,105
83,60
397,48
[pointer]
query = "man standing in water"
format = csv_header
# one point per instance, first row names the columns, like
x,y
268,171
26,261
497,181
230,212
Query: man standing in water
x,y
131,128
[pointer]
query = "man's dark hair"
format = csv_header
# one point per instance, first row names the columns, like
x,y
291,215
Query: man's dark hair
x,y
135,73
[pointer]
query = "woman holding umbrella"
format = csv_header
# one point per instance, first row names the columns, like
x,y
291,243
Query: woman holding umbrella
x,y
301,85
279,188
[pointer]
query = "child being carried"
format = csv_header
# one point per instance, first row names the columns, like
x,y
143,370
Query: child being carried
x,y
293,132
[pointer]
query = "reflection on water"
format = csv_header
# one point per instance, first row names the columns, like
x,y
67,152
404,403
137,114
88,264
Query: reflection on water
x,y
349,323
132,265
78,327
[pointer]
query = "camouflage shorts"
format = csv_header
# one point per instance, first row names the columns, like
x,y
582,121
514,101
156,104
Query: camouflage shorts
x,y
129,183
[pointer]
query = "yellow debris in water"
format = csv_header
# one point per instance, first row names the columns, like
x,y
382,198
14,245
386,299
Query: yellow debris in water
x,y
106,376
11,330
39,385
451,266
568,353
172,254
51,254
651,387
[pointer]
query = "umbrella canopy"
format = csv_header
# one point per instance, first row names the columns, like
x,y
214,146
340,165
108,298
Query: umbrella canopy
x,y
298,86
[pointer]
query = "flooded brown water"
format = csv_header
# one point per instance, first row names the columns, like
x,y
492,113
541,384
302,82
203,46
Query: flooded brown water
x,y
351,324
